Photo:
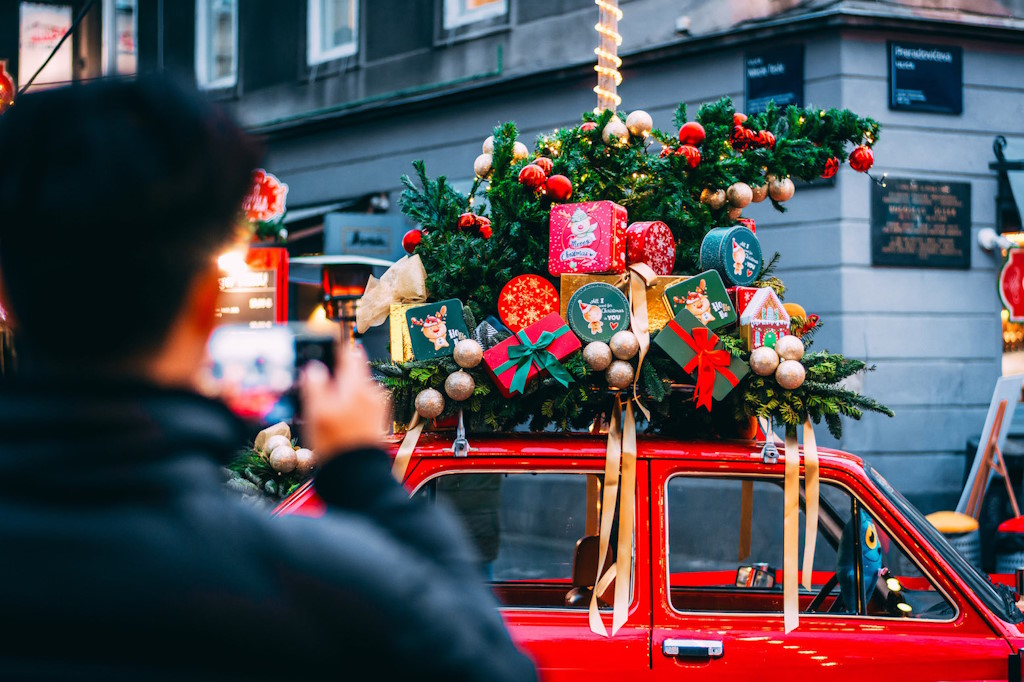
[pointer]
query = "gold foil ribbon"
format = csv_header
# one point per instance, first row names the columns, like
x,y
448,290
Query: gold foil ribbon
x,y
791,536
404,282
746,518
412,435
812,490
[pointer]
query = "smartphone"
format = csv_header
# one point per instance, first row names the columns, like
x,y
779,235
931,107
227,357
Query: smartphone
x,y
256,371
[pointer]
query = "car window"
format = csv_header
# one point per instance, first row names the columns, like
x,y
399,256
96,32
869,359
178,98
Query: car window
x,y
707,574
529,531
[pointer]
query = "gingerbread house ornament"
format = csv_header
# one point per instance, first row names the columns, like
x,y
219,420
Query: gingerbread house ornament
x,y
764,321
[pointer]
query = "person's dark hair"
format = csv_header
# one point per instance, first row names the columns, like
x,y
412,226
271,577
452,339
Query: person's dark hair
x,y
114,196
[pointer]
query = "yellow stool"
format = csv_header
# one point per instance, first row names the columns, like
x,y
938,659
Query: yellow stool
x,y
962,532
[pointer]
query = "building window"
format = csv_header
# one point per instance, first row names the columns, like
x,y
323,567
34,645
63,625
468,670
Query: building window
x,y
333,30
42,27
461,12
120,28
216,43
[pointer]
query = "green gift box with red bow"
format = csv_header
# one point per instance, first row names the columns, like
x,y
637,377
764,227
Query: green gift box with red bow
x,y
536,349
698,350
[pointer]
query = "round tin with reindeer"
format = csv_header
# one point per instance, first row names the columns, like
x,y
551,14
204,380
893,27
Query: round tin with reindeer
x,y
596,311
734,252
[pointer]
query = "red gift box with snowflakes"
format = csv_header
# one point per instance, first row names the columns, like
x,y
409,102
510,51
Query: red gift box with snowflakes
x,y
587,238
653,243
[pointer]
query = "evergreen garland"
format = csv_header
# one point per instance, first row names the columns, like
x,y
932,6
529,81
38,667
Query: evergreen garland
x,y
651,186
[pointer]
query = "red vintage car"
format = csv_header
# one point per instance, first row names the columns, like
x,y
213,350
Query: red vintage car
x,y
531,504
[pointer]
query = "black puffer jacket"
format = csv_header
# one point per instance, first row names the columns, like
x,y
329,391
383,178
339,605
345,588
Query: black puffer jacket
x,y
122,557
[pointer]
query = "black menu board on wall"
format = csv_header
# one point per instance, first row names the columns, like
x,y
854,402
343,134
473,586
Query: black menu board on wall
x,y
921,223
774,74
926,78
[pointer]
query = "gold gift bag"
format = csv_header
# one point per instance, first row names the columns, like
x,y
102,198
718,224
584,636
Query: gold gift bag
x,y
401,342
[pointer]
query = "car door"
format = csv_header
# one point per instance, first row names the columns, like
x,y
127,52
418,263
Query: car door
x,y
705,627
525,518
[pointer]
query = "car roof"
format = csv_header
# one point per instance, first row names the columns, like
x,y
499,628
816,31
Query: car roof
x,y
520,444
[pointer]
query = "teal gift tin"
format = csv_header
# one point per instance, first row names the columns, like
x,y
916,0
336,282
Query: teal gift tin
x,y
734,253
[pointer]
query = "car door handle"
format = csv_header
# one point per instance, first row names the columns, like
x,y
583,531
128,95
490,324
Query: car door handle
x,y
692,648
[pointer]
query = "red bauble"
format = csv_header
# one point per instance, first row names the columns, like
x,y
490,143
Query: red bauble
x,y
766,138
588,126
691,133
467,220
691,154
484,226
545,164
831,168
739,119
740,138
411,240
861,159
748,223
558,187
531,176
665,151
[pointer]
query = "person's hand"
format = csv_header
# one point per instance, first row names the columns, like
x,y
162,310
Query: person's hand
x,y
346,412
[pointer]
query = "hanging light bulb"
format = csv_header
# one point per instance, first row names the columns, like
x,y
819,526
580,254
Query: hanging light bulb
x,y
608,62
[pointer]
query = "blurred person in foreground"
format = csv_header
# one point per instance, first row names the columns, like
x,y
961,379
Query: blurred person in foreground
x,y
123,555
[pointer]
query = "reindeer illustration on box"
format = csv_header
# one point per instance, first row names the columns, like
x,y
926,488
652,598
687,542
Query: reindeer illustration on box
x,y
764,321
440,326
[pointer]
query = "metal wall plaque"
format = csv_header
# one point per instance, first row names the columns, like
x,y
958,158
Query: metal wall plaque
x,y
921,223
775,74
926,78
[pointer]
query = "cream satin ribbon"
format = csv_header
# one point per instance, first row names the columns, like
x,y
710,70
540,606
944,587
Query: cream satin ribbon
x,y
812,491
791,535
412,435
612,462
641,276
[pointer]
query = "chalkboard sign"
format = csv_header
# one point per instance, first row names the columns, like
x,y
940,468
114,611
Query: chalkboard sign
x,y
248,298
921,223
776,74
926,78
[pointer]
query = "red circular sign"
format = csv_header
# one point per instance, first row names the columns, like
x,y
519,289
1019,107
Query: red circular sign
x,y
525,300
1011,284
265,200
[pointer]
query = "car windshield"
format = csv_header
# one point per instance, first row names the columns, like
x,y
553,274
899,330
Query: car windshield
x,y
997,597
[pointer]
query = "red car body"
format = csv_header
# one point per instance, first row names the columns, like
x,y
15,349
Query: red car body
x,y
980,642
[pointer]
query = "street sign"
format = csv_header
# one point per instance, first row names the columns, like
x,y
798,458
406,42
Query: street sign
x,y
774,75
926,78
1011,284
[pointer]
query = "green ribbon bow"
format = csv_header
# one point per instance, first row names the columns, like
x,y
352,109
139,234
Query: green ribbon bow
x,y
529,353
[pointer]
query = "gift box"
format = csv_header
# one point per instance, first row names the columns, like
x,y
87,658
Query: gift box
x,y
587,237
764,320
741,297
532,351
652,243
699,352
401,342
734,252
435,328
704,297
597,311
658,313
525,299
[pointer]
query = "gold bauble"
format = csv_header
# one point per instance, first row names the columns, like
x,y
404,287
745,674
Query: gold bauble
x,y
429,403
482,165
624,345
759,192
739,194
735,212
283,459
488,147
597,355
305,460
459,386
274,442
619,374
781,189
790,374
520,151
715,198
789,347
639,123
764,361
467,353
616,132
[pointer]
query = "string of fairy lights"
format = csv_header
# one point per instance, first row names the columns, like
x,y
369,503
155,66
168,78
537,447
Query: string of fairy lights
x,y
607,51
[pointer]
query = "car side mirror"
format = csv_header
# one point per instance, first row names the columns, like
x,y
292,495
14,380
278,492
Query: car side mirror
x,y
755,575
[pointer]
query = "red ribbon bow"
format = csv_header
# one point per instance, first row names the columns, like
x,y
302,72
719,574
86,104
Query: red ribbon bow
x,y
706,360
